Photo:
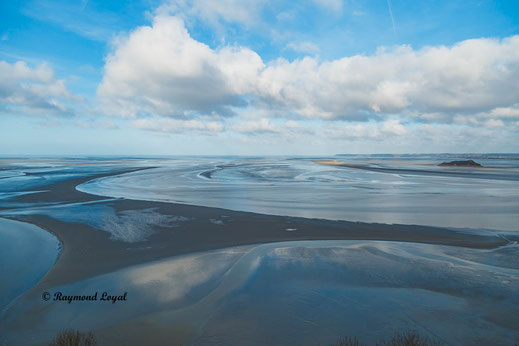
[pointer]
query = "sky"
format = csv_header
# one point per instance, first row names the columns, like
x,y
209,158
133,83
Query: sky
x,y
258,77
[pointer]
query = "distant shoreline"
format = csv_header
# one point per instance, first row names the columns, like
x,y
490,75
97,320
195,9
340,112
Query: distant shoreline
x,y
482,172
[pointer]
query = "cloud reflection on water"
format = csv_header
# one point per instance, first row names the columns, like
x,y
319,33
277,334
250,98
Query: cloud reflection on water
x,y
277,288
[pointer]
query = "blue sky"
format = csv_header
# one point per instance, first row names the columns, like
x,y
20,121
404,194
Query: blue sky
x,y
314,77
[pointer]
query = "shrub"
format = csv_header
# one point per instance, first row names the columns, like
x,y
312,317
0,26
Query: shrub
x,y
410,338
349,341
71,337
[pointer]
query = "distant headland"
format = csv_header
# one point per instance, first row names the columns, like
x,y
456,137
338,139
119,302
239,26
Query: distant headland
x,y
465,163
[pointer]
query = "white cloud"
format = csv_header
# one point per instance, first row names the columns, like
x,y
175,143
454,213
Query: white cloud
x,y
470,77
363,131
255,127
505,112
264,126
162,70
32,90
393,127
168,125
343,131
454,136
494,123
497,117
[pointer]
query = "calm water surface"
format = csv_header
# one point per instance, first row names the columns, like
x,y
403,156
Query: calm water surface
x,y
27,252
298,292
407,190
301,293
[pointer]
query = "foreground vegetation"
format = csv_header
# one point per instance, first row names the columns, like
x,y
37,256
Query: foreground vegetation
x,y
410,338
71,337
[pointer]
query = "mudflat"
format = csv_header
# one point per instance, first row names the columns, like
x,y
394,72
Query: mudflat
x,y
88,251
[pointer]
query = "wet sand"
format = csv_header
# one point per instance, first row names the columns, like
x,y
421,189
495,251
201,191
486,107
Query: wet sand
x,y
64,191
88,251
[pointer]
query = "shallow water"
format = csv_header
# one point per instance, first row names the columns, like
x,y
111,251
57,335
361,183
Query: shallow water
x,y
128,226
404,190
297,293
27,252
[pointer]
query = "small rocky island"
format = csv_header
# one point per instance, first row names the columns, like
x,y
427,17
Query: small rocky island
x,y
467,163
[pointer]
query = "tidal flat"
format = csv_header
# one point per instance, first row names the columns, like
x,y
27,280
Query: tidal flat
x,y
261,250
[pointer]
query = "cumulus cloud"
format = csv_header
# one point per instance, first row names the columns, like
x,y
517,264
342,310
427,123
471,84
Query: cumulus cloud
x,y
504,112
161,70
494,118
471,76
32,90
